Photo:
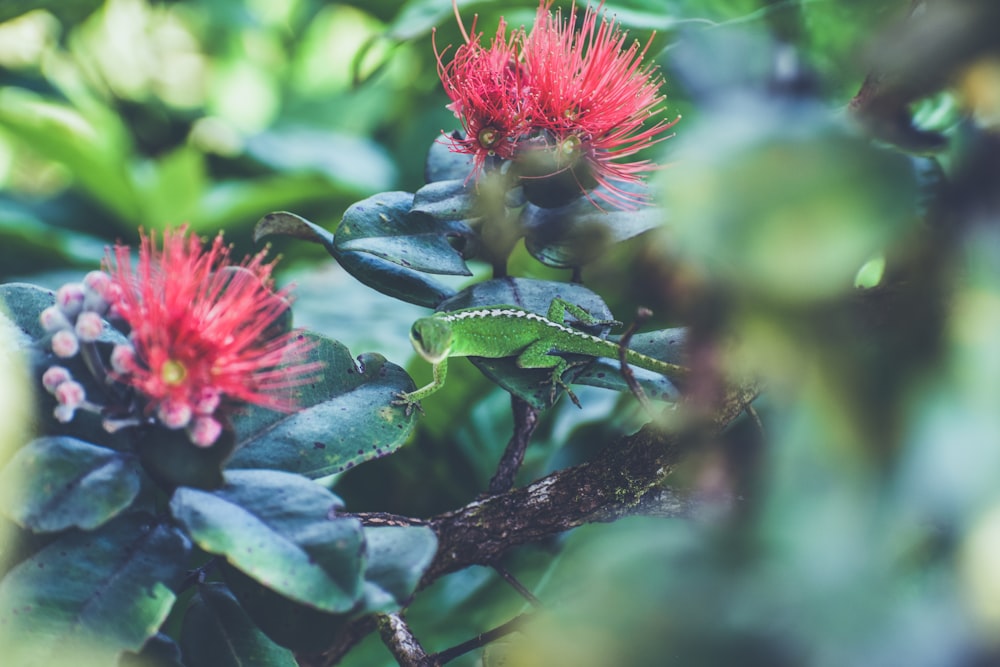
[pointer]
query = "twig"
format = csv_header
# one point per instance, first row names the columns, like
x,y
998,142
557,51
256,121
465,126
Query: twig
x,y
517,585
402,644
641,316
479,641
525,422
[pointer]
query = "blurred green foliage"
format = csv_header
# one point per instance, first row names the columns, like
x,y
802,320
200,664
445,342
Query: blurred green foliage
x,y
863,525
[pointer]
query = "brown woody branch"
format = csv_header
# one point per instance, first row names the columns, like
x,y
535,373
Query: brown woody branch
x,y
626,478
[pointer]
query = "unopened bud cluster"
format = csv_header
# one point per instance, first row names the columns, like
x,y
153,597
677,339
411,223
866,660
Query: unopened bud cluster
x,y
76,319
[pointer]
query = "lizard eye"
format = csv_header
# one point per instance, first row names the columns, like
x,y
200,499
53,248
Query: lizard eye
x,y
415,334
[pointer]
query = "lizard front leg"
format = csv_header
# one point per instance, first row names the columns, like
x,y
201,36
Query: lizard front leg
x,y
412,399
537,355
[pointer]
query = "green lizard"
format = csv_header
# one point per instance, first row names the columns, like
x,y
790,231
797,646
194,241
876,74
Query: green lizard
x,y
508,331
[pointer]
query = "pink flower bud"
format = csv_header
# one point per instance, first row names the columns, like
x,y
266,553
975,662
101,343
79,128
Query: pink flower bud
x,y
208,401
71,394
69,298
123,359
55,376
65,344
53,319
89,326
98,282
174,414
63,413
204,431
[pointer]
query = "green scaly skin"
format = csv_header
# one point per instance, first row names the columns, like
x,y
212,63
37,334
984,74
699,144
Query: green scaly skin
x,y
496,332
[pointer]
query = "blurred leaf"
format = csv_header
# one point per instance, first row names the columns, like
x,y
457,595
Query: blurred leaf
x,y
158,651
530,385
354,163
397,557
23,303
345,418
293,625
173,460
171,187
92,154
237,202
29,244
280,529
787,211
68,11
579,232
218,633
100,592
56,483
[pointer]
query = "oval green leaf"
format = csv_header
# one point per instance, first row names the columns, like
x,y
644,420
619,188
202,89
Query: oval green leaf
x,y
58,482
91,595
347,417
217,632
280,529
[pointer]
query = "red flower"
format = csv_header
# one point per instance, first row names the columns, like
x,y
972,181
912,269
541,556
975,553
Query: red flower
x,y
489,95
594,96
200,331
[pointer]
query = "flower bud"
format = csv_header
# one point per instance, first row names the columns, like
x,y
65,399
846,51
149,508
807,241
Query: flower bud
x,y
65,344
89,326
71,394
204,431
174,414
55,376
208,401
98,282
63,413
123,359
53,319
70,298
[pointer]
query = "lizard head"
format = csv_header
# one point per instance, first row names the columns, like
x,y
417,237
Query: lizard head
x,y
431,338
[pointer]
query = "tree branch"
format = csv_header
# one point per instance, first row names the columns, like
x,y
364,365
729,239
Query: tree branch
x,y
525,421
625,478
402,644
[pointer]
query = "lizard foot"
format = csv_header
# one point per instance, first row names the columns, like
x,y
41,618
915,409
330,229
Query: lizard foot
x,y
408,403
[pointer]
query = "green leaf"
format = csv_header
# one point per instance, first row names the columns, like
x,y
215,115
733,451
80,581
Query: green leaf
x,y
280,529
94,149
23,303
288,623
158,651
579,232
218,633
346,417
398,556
530,385
392,226
55,483
173,460
385,276
443,164
97,593
665,345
